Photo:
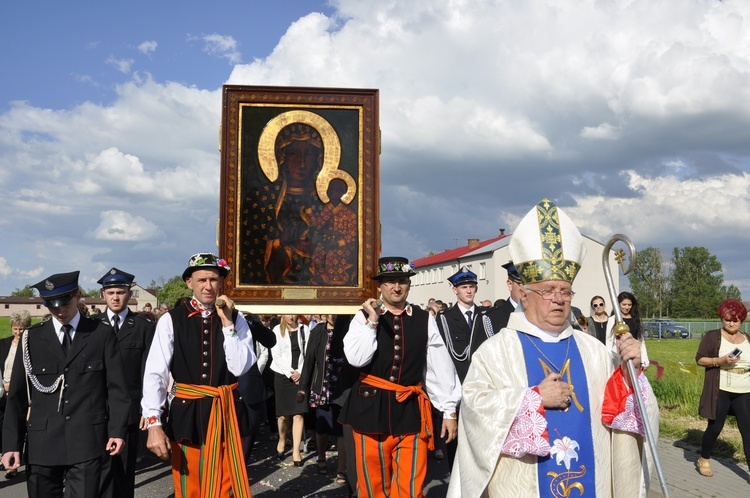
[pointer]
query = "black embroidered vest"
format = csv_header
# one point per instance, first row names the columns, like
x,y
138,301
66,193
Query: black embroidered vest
x,y
198,359
401,358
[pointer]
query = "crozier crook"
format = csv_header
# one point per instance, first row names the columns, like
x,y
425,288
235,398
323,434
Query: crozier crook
x,y
622,328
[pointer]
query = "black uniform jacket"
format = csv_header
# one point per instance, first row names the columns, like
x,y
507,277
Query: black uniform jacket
x,y
401,358
94,404
134,341
461,336
500,316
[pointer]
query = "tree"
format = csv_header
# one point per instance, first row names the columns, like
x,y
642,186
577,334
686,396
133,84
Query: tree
x,y
91,292
173,290
732,292
649,282
27,291
696,283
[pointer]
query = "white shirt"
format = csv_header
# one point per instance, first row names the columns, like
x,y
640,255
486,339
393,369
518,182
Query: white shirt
x,y
110,316
262,353
464,309
440,378
58,327
282,351
238,351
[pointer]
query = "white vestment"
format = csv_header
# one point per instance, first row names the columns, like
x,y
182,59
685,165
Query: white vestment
x,y
492,394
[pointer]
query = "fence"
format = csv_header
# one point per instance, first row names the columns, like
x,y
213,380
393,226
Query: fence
x,y
695,329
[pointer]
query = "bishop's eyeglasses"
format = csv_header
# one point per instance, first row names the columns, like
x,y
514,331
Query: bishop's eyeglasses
x,y
548,294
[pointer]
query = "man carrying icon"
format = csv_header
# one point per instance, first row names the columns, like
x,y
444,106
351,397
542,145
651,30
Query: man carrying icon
x,y
204,346
404,366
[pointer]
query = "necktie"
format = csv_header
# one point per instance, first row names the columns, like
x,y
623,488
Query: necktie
x,y
116,325
66,342
468,317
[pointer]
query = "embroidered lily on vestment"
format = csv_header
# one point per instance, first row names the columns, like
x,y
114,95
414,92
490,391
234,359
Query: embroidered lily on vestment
x,y
564,450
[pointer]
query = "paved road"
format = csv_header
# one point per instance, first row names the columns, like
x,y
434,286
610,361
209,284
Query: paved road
x,y
271,478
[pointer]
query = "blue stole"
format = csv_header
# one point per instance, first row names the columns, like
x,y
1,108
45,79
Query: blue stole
x,y
570,465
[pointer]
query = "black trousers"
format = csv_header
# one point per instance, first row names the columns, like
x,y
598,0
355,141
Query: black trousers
x,y
351,459
740,405
81,480
118,472
440,444
255,414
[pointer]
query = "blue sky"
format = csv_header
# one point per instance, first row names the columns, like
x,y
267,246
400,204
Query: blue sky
x,y
58,54
632,115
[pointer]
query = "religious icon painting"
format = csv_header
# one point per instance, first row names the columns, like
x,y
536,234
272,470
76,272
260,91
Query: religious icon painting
x,y
299,197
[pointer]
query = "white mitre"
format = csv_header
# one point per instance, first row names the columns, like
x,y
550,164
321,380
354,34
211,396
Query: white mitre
x,y
546,245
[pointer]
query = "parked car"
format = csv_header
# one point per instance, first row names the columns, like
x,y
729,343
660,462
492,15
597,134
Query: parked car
x,y
663,328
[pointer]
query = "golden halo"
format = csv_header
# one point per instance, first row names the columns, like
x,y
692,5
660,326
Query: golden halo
x,y
331,151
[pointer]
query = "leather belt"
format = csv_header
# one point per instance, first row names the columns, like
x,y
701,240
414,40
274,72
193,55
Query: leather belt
x,y
738,370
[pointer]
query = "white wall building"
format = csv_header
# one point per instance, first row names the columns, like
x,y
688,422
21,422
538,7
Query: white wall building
x,y
485,258
34,305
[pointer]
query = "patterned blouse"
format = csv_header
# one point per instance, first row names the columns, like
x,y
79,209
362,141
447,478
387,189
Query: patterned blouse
x,y
330,379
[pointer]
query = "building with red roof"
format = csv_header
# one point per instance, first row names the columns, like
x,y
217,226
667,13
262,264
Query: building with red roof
x,y
485,258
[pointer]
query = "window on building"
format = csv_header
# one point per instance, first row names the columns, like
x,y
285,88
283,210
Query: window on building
x,y
483,270
135,293
440,275
7,306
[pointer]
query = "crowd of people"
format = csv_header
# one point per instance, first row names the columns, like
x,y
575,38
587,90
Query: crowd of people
x,y
525,396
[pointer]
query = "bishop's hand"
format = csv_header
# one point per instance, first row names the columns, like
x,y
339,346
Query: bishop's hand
x,y
554,392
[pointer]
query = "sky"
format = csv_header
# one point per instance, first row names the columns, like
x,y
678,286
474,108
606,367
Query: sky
x,y
632,115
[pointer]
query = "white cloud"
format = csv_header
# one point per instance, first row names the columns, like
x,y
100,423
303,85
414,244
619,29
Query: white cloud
x,y
5,270
121,226
122,65
222,46
631,114
604,131
148,47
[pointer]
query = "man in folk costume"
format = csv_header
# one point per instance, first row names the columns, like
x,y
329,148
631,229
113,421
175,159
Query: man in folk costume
x,y
402,361
205,347
462,329
546,410
68,397
134,335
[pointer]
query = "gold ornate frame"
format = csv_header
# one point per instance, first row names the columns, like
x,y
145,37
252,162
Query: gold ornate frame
x,y
255,228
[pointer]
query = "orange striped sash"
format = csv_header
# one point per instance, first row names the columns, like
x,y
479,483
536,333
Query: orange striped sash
x,y
222,440
402,394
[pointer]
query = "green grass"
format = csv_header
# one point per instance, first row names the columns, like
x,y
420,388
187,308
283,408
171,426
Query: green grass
x,y
5,326
679,393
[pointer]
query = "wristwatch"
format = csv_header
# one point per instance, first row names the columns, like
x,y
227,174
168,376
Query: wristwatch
x,y
453,416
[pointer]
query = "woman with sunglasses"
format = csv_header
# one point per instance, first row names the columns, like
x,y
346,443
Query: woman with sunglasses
x,y
597,323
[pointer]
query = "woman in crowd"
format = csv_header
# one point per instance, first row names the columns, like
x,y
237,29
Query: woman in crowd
x,y
631,315
726,385
320,384
288,359
597,323
19,321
